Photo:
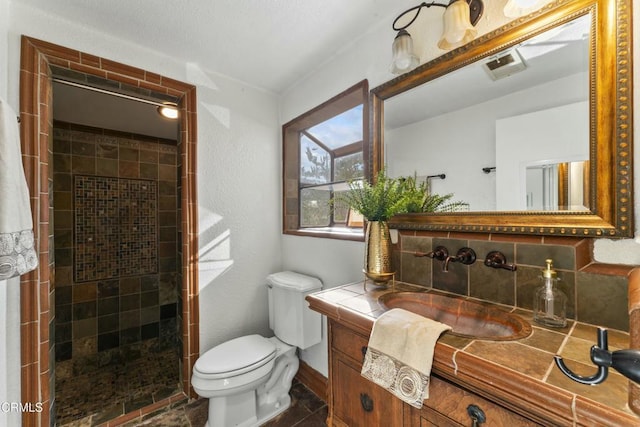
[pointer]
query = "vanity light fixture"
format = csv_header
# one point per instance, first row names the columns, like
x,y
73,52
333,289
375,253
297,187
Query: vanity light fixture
x,y
517,8
460,18
168,110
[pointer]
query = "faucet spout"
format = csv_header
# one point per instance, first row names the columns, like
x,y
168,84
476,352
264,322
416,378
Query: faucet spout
x,y
466,256
445,264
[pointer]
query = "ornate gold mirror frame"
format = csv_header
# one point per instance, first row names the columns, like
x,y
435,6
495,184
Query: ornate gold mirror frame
x,y
611,110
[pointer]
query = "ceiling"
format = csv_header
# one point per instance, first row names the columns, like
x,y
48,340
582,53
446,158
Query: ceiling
x,y
267,44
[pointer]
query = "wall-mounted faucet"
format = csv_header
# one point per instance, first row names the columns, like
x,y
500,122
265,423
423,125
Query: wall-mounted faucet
x,y
496,259
466,256
440,253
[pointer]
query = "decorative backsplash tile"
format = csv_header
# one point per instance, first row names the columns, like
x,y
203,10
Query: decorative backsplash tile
x,y
594,298
116,227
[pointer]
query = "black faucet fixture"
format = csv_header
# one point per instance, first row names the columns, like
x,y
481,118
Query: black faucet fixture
x,y
496,259
466,256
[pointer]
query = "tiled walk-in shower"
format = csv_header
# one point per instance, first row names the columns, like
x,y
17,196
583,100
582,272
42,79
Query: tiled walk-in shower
x,y
117,274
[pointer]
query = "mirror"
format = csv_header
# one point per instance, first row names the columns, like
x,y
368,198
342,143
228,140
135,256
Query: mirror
x,y
528,124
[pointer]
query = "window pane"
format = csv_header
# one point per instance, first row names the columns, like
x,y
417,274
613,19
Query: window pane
x,y
349,167
340,130
315,166
340,210
315,210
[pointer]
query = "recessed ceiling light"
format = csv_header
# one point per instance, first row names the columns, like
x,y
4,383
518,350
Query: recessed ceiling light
x,y
169,110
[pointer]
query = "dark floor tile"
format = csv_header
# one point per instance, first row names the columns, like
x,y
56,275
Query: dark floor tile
x,y
317,419
96,393
137,403
290,417
298,413
176,418
197,412
107,414
302,396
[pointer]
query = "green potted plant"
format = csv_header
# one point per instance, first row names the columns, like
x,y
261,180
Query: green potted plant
x,y
377,203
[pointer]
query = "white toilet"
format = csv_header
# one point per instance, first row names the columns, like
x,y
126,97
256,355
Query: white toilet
x,y
247,379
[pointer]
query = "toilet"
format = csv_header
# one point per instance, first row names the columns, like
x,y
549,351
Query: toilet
x,y
247,379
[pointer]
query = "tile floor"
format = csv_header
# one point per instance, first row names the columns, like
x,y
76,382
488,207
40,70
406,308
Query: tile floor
x,y
307,410
88,395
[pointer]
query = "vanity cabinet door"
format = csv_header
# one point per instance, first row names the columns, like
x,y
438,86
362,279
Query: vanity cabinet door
x,y
358,401
354,400
448,406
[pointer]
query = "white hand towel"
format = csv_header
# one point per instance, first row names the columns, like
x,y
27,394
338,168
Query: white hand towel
x,y
400,354
17,249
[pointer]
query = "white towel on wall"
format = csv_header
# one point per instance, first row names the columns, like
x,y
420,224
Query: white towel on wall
x,y
17,249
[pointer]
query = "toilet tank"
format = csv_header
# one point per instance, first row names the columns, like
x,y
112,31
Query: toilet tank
x,y
290,317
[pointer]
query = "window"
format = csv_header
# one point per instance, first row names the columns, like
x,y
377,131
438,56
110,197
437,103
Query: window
x,y
323,150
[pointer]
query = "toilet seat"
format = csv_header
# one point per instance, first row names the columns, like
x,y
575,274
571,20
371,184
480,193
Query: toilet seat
x,y
235,357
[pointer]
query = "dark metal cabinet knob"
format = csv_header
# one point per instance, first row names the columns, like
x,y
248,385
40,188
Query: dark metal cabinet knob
x,y
366,402
477,415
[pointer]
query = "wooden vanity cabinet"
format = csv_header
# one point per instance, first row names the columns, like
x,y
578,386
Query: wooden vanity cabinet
x,y
449,405
355,401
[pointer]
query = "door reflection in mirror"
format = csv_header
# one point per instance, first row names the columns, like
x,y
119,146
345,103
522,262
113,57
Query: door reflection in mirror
x,y
557,186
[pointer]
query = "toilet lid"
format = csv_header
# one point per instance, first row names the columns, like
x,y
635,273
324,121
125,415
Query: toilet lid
x,y
236,356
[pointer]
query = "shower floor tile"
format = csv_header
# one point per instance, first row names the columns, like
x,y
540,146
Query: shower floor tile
x,y
103,393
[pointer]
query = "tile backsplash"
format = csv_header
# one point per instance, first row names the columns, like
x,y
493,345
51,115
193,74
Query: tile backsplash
x,y
596,293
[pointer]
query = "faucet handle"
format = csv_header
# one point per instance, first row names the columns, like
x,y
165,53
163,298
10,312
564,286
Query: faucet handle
x,y
496,259
440,253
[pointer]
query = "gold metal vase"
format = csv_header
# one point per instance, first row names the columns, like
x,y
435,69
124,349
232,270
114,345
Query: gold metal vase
x,y
377,255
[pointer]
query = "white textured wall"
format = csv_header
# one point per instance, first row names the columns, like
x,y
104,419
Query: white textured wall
x,y
369,57
335,262
9,289
238,177
4,27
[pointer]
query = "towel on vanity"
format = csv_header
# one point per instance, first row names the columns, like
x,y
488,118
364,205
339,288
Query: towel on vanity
x,y
400,353
17,251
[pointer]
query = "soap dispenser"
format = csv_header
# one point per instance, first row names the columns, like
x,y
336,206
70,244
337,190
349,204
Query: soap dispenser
x,y
550,303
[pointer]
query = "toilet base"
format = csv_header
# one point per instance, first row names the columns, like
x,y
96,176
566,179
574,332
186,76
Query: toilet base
x,y
254,407
261,419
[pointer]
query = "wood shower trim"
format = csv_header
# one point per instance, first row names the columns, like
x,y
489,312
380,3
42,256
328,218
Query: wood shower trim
x,y
36,287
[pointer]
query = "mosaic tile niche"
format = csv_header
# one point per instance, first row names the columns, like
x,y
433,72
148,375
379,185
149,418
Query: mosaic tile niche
x,y
116,213
115,227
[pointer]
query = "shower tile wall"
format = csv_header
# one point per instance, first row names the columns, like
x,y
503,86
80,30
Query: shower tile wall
x,y
120,301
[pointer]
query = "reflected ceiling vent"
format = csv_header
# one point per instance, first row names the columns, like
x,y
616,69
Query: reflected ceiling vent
x,y
504,64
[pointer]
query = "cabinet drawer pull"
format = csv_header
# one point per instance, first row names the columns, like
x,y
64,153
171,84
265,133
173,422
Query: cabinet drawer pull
x,y
366,402
363,350
476,414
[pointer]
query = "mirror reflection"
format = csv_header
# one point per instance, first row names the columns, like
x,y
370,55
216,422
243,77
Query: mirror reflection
x,y
510,132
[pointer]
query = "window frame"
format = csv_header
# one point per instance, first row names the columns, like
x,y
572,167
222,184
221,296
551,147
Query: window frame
x,y
357,94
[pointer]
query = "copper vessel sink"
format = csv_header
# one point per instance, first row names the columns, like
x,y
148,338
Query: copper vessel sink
x,y
467,318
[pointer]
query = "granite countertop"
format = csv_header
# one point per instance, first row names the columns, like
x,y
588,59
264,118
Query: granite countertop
x,y
520,375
